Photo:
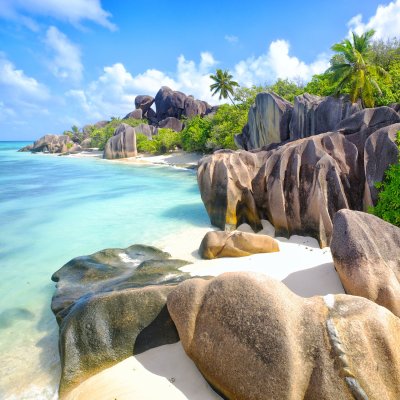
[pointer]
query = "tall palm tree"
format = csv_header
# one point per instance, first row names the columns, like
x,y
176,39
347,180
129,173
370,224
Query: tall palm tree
x,y
353,69
223,84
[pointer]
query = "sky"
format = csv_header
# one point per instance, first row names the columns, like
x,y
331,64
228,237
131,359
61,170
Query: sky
x,y
74,62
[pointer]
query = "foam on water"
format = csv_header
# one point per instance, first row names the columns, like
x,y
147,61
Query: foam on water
x,y
53,209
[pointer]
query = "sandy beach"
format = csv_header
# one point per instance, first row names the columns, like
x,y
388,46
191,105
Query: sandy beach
x,y
166,372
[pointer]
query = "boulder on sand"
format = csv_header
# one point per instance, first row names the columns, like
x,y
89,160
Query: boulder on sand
x,y
122,144
235,244
366,254
252,338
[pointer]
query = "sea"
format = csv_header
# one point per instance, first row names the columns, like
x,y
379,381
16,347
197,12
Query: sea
x,y
55,208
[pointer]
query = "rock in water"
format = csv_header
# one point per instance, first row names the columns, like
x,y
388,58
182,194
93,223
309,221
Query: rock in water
x,y
268,122
299,186
111,305
235,244
252,339
366,254
52,144
314,114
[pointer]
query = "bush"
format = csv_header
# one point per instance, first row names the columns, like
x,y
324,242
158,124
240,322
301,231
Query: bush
x,y
388,205
166,140
196,133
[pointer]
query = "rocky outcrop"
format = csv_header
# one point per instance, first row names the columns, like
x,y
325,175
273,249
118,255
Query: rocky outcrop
x,y
171,123
52,144
235,244
195,107
366,254
300,185
169,103
122,144
135,114
143,102
268,122
252,338
314,114
86,143
29,147
111,305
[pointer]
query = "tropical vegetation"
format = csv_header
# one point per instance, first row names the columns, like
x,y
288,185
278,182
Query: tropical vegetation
x,y
223,84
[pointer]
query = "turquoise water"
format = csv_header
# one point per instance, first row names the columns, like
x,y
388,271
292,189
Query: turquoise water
x,y
53,209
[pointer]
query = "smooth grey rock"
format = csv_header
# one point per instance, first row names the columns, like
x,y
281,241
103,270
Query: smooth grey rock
x,y
86,143
144,102
314,114
196,107
147,130
122,144
29,147
171,123
268,122
52,144
135,114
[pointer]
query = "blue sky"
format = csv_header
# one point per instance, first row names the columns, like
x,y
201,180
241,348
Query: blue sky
x,y
80,61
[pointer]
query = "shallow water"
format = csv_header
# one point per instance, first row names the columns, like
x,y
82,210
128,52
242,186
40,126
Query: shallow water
x,y
53,209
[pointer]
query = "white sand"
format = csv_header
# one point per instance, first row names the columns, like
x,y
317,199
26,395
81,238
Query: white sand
x,y
305,268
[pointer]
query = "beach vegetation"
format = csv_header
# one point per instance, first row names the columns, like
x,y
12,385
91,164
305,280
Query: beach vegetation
x,y
388,204
196,133
163,142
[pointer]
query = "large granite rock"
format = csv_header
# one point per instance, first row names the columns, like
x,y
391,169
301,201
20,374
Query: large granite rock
x,y
366,254
314,114
171,123
299,186
195,107
52,144
268,122
135,114
169,103
235,244
147,130
111,305
26,148
252,338
143,102
122,144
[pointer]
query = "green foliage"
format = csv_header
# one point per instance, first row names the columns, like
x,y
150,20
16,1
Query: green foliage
x,y
224,85
69,145
196,133
321,85
286,89
388,205
165,141
353,72
101,135
247,96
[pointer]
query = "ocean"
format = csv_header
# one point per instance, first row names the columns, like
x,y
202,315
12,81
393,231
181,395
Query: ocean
x,y
56,208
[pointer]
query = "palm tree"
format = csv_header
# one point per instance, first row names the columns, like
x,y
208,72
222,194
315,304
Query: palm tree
x,y
353,70
223,84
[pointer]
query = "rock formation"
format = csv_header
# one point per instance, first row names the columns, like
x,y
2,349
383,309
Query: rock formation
x,y
135,114
122,144
52,144
298,186
235,244
252,338
314,114
111,305
171,123
144,102
366,254
268,122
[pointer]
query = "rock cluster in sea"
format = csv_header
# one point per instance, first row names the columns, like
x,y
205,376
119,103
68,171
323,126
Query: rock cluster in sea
x,y
299,185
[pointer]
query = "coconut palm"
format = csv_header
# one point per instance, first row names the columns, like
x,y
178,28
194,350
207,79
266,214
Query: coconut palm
x,y
223,84
353,70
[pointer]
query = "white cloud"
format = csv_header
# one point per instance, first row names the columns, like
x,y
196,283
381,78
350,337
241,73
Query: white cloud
x,y
114,92
15,83
231,39
73,11
386,21
277,63
67,60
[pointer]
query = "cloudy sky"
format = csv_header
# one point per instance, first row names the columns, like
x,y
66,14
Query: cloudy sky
x,y
79,61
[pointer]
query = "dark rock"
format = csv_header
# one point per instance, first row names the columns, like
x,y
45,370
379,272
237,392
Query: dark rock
x,y
151,116
144,103
52,144
171,123
111,305
101,124
169,103
298,186
395,106
268,122
195,107
235,244
366,254
122,144
313,114
29,147
380,151
252,338
135,114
